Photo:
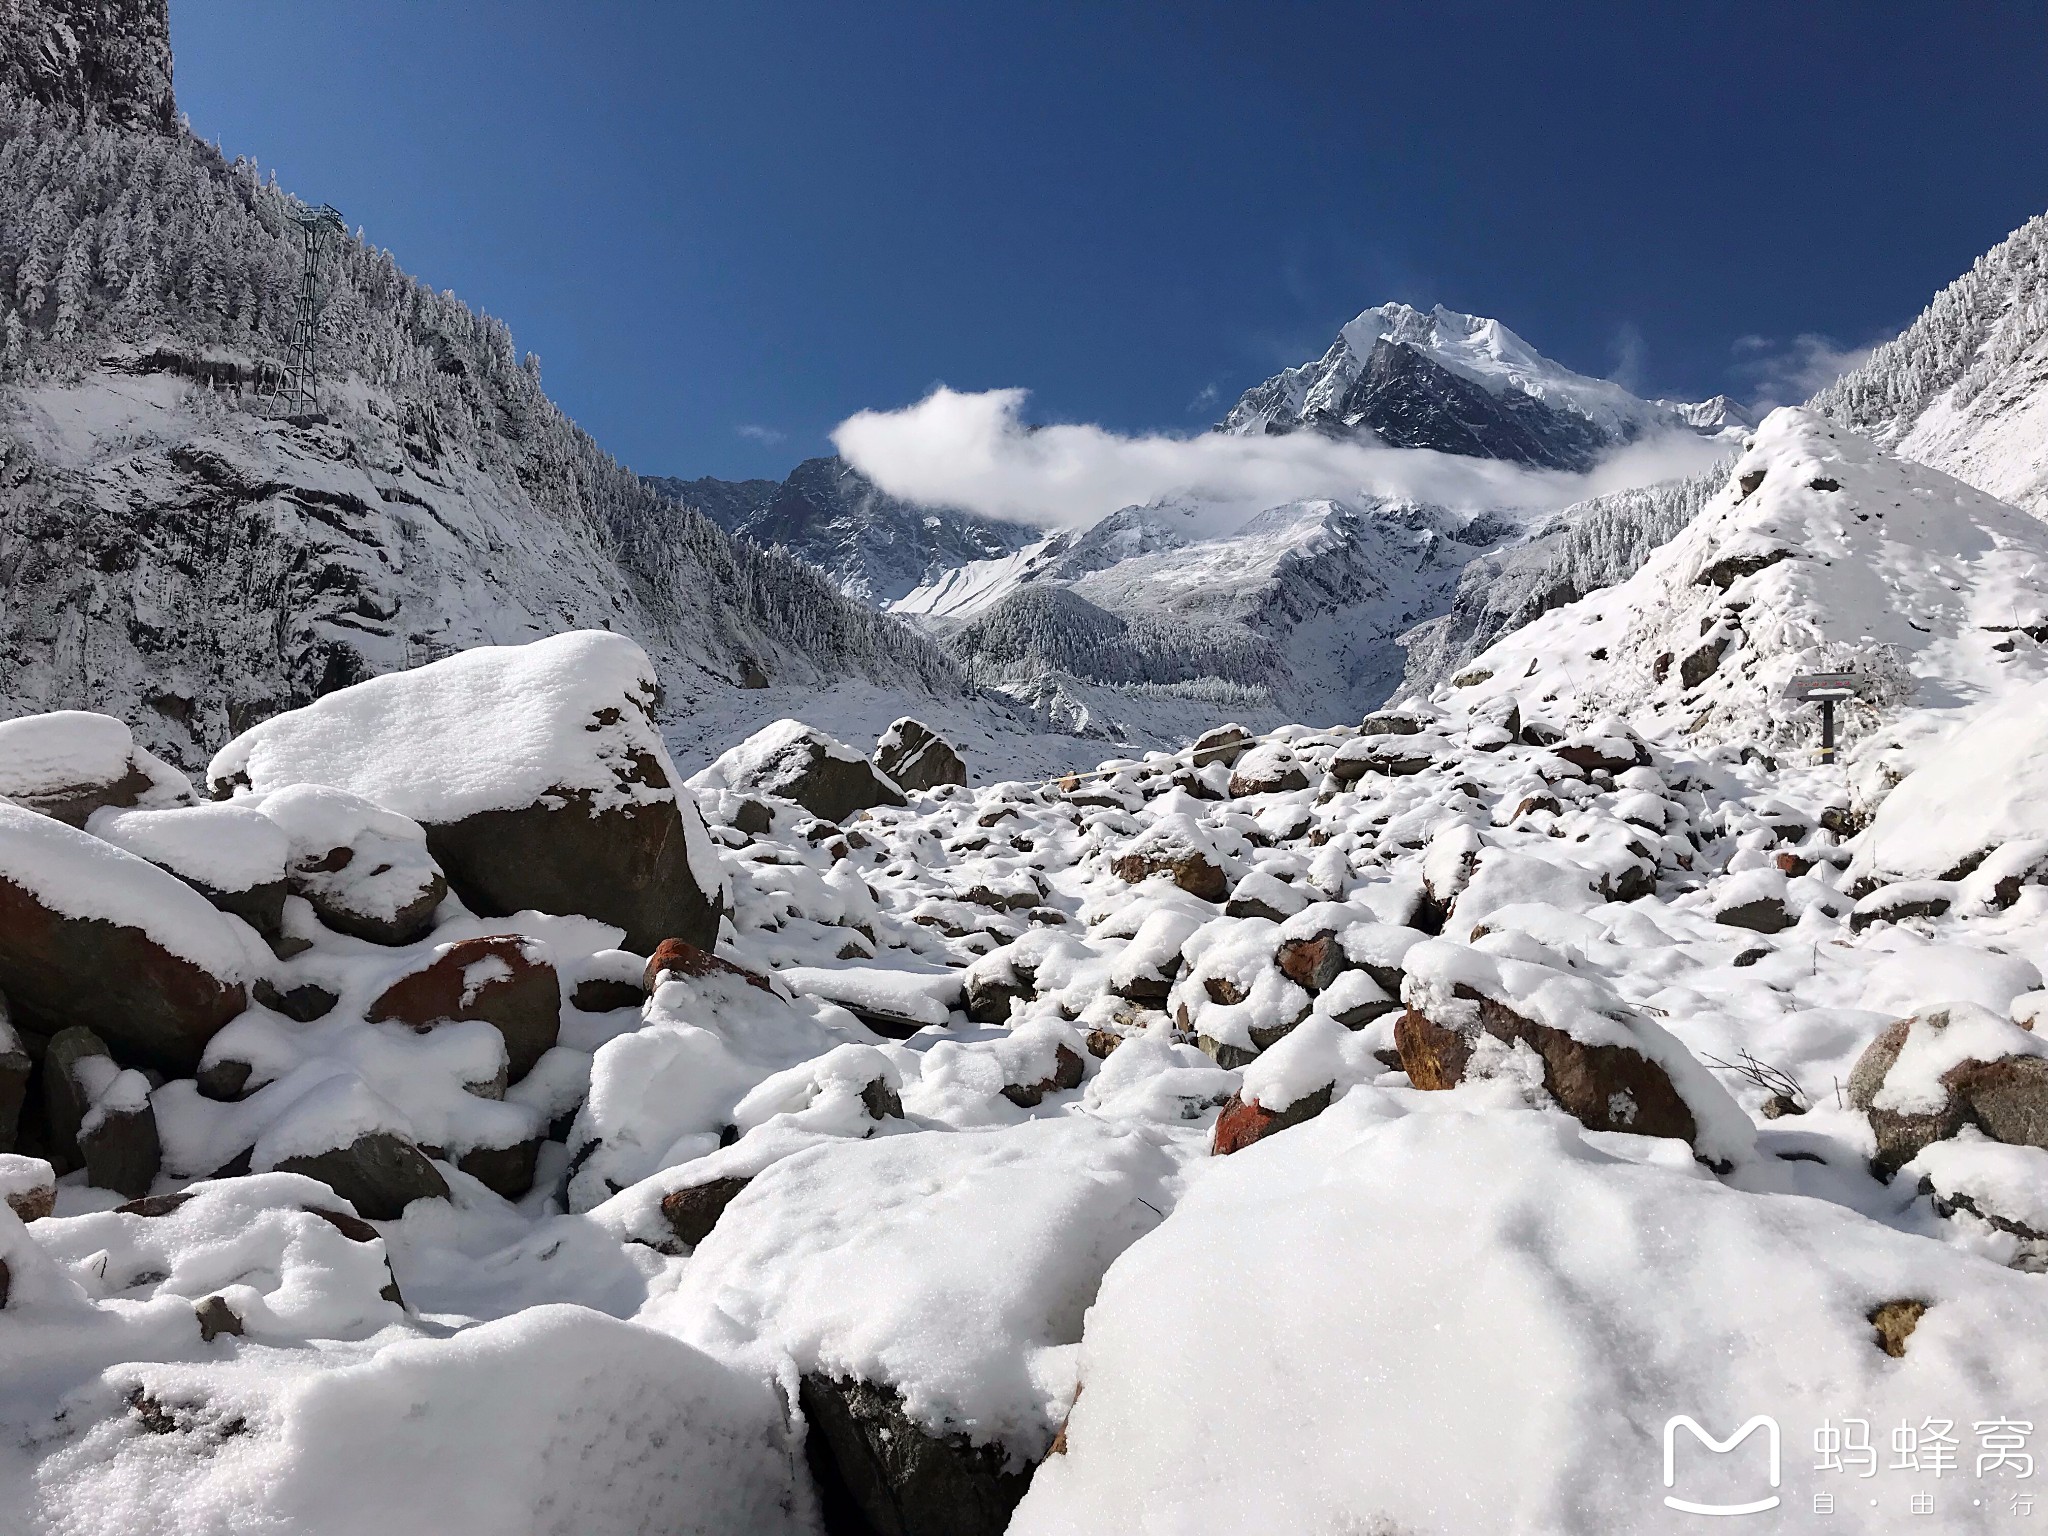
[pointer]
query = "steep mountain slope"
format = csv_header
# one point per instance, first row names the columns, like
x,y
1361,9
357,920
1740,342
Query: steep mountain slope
x,y
1292,616
1965,386
172,552
1457,383
1820,553
876,547
1587,546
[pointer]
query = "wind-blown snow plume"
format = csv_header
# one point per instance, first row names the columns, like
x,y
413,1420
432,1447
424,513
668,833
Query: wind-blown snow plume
x,y
975,450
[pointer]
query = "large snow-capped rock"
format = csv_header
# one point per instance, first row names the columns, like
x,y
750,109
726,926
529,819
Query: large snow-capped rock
x,y
536,770
1984,786
875,546
1965,387
94,936
1819,554
1457,383
1502,1270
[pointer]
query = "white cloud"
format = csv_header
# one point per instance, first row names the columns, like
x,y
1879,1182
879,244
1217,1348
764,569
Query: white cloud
x,y
1786,373
977,452
1205,401
769,435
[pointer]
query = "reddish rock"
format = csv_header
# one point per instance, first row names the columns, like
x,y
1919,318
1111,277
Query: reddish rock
x,y
692,1212
1192,872
1604,1087
682,958
58,970
1245,1121
499,979
2006,1099
1312,963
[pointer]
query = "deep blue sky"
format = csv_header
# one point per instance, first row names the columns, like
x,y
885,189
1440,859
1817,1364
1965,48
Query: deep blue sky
x,y
718,223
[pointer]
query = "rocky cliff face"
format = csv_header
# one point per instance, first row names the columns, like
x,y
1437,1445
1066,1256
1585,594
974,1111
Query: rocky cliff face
x,y
106,58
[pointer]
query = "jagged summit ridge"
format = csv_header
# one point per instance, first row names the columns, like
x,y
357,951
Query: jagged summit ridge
x,y
877,547
1458,383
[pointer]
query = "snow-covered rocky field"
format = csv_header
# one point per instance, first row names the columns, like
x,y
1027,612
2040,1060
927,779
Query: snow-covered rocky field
x,y
446,1118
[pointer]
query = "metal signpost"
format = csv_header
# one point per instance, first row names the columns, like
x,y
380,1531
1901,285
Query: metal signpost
x,y
1824,688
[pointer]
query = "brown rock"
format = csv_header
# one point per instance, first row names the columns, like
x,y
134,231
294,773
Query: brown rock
x,y
627,865
1192,872
15,1067
1226,744
1067,1070
682,958
2006,1099
1894,1323
120,1151
32,1194
496,979
1102,1041
1312,963
1604,1087
57,970
216,1317
1245,1121
693,1211
506,1171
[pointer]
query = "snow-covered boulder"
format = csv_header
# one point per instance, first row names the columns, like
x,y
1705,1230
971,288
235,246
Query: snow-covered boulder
x,y
556,1419
1177,846
1309,1341
285,1257
798,762
1268,769
536,770
98,1115
1927,1077
71,763
1474,1012
1984,786
232,855
506,980
913,756
664,1093
94,936
834,1264
364,870
28,1186
1225,745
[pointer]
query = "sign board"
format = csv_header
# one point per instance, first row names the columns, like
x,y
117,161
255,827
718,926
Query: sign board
x,y
1824,685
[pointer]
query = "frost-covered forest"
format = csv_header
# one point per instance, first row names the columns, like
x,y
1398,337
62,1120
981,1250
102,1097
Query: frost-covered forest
x,y
146,283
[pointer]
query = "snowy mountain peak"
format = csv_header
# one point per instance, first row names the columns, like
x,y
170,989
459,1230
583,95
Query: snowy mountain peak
x,y
1456,383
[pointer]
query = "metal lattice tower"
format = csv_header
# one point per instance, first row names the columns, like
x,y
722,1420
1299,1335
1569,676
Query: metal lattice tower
x,y
300,386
